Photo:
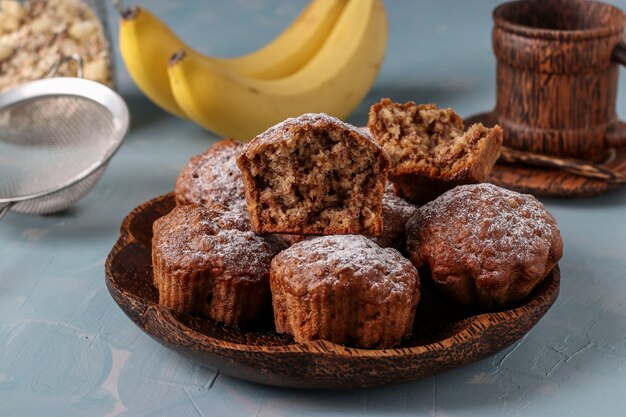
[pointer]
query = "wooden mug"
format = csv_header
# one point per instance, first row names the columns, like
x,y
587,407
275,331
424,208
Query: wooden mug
x,y
557,75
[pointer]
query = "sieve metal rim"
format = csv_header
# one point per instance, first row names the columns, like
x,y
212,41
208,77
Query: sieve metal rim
x,y
71,87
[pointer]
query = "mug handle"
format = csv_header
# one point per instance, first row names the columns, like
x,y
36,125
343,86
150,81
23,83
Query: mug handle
x,y
617,138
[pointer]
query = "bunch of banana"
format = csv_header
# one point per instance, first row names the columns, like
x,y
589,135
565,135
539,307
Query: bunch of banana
x,y
326,61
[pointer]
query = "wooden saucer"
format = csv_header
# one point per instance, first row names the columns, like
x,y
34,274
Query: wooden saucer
x,y
444,336
549,182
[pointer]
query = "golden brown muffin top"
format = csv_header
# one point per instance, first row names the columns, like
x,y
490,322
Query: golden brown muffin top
x,y
325,262
200,238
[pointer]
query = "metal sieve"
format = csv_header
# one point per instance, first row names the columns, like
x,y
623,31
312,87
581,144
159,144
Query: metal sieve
x,y
56,137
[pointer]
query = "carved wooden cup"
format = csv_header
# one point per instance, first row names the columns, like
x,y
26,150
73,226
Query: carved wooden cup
x,y
557,75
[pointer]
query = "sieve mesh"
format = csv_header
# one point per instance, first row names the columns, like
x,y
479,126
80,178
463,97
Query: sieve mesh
x,y
47,143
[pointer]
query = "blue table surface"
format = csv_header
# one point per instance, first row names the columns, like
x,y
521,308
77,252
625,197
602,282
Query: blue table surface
x,y
66,349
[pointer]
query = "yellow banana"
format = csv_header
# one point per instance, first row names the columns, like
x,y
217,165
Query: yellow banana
x,y
334,81
294,47
146,43
144,40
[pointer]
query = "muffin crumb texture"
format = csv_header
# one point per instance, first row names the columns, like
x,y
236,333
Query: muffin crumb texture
x,y
396,212
429,149
314,175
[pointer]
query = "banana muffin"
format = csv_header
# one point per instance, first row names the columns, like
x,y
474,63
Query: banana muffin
x,y
396,213
212,177
484,245
314,175
207,262
345,289
429,149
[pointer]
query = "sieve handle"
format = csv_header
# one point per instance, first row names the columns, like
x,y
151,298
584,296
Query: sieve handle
x,y
4,208
73,57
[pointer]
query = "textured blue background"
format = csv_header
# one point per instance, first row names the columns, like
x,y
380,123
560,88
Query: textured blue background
x,y
67,350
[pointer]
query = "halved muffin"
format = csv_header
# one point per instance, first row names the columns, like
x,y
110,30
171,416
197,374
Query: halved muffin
x,y
396,213
314,174
429,149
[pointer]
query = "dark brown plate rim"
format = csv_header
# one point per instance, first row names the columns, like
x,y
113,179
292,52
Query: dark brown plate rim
x,y
319,364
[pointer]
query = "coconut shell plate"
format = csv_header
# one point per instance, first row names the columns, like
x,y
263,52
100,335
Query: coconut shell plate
x,y
549,182
444,335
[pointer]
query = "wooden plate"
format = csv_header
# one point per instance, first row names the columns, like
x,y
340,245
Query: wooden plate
x,y
548,182
444,336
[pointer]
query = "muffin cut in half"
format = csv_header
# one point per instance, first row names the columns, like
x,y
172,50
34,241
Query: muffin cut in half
x,y
429,149
213,178
344,289
314,174
484,245
207,263
396,213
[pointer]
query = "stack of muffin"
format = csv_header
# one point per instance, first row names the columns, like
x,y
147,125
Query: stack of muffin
x,y
317,221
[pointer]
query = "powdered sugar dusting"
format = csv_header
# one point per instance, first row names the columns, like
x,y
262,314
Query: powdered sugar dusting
x,y
397,205
235,217
309,120
213,177
327,260
241,254
396,212
487,226
198,237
